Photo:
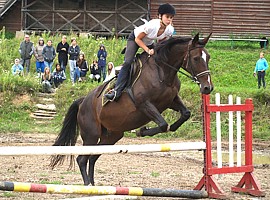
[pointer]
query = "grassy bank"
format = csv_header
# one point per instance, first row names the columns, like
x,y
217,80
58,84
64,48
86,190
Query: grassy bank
x,y
231,69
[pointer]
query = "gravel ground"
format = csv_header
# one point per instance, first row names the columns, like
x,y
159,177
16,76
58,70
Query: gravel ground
x,y
178,170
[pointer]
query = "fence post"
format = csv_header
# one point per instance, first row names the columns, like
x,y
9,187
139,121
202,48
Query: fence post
x,y
248,184
207,181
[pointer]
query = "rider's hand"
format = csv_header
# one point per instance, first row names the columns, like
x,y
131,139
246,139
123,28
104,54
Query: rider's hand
x,y
151,52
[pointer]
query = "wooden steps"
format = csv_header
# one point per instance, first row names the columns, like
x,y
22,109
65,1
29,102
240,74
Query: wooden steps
x,y
46,110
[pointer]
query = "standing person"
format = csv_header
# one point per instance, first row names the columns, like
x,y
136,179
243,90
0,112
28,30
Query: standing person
x,y
26,50
62,50
261,66
49,55
81,68
144,36
39,57
73,51
102,55
110,72
17,68
58,75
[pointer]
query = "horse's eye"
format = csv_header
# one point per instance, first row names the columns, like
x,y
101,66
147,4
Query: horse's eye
x,y
197,58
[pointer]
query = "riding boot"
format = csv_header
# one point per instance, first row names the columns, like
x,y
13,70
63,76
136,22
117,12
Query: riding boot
x,y
115,94
120,85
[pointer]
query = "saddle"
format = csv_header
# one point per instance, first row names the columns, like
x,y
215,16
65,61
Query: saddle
x,y
134,74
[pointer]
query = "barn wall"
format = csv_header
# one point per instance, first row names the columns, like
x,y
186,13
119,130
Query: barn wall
x,y
101,17
241,17
222,17
12,20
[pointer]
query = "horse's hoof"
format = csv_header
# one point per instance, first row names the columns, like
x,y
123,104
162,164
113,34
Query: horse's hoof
x,y
141,132
138,134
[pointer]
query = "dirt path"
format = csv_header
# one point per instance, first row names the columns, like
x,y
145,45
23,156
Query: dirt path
x,y
178,170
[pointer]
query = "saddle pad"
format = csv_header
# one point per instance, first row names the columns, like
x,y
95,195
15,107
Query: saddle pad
x,y
136,68
110,86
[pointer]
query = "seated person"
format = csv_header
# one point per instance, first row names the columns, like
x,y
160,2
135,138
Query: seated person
x,y
81,68
110,72
17,68
58,75
95,72
47,80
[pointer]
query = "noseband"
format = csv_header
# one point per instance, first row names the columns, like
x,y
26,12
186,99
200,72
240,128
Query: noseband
x,y
194,77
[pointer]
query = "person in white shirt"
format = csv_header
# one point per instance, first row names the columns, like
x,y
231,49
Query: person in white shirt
x,y
110,72
144,36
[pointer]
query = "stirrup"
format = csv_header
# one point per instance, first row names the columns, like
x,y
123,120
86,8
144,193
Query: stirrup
x,y
113,96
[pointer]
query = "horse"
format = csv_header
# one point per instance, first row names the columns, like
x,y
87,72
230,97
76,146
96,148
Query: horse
x,y
154,90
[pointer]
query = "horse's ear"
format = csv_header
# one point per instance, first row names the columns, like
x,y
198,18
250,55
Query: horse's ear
x,y
195,39
205,40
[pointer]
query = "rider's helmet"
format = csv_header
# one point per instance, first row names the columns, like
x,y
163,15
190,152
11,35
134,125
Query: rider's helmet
x,y
166,9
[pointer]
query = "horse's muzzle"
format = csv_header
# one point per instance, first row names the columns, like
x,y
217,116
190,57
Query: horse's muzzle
x,y
207,89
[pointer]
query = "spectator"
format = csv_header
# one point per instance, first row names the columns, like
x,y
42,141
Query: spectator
x,y
102,55
17,68
81,68
26,50
264,44
49,55
261,66
73,51
95,72
47,80
62,50
58,75
110,72
39,57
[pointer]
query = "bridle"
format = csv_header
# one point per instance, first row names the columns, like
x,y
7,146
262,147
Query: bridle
x,y
193,77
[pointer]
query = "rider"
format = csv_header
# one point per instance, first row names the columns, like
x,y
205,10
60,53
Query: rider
x,y
144,36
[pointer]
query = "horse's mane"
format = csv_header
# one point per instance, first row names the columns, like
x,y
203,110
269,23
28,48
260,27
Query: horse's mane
x,y
163,49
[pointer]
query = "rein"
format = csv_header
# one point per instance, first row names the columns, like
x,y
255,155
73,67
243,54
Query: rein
x,y
193,77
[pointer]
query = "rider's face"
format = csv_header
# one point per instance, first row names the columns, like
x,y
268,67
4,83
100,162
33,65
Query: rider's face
x,y
167,19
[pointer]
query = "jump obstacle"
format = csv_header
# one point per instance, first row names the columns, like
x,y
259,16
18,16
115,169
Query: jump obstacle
x,y
248,184
100,190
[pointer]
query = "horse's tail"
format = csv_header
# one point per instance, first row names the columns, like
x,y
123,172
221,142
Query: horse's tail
x,y
68,135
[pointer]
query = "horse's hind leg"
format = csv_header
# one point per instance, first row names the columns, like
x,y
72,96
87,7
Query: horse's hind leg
x,y
91,169
107,138
82,162
178,106
90,133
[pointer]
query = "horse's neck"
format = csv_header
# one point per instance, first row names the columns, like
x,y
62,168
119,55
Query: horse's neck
x,y
152,69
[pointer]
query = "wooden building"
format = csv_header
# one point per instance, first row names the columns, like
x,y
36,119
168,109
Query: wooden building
x,y
118,17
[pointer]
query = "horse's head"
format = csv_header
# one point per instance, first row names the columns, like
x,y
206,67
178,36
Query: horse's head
x,y
196,63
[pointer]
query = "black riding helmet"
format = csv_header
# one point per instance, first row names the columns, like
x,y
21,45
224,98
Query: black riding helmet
x,y
166,9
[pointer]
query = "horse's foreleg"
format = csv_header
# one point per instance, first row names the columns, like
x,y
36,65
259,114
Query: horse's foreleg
x,y
178,106
152,112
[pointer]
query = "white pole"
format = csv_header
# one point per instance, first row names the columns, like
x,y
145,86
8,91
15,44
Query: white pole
x,y
231,133
238,118
218,127
99,149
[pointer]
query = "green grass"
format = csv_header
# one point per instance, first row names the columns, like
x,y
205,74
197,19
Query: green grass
x,y
155,174
231,70
8,195
51,182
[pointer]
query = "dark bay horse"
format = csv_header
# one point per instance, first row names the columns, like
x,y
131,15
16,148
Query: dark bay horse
x,y
154,91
